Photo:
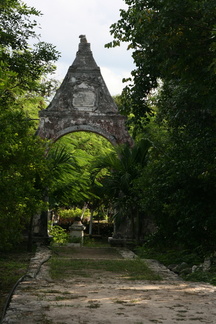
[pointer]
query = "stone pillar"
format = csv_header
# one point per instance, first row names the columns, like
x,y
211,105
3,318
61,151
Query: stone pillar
x,y
77,230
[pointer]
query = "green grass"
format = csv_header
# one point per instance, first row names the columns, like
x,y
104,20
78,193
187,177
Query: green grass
x,y
169,256
13,265
130,269
91,242
11,270
177,256
205,276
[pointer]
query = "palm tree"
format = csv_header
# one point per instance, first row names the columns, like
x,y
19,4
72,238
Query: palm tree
x,y
60,166
124,165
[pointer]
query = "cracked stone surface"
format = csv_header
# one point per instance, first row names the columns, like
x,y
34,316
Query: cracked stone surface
x,y
106,298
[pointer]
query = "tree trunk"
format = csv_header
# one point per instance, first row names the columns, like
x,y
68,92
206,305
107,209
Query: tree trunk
x,y
29,243
137,234
43,231
91,221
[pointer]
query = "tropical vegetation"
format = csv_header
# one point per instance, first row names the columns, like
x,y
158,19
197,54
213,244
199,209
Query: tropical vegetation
x,y
23,70
168,178
173,87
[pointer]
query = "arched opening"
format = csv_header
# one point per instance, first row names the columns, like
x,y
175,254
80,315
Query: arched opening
x,y
86,128
77,192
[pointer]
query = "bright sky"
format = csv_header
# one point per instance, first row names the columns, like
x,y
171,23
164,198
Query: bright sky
x,y
64,20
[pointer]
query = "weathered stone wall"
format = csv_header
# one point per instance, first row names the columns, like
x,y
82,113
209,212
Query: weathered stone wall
x,y
83,103
55,125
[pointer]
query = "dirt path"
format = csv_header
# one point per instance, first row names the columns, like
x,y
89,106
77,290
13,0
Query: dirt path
x,y
104,298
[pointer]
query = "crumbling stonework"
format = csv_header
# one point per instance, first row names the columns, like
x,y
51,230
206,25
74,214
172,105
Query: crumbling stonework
x,y
83,103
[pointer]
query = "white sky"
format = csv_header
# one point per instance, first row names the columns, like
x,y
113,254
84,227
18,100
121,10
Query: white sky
x,y
64,20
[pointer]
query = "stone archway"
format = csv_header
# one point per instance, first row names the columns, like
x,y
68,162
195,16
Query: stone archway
x,y
87,128
83,103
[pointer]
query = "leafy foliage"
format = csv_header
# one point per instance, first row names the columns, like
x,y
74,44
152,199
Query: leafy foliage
x,y
76,188
73,213
180,191
58,234
167,45
19,168
22,154
124,165
173,46
17,30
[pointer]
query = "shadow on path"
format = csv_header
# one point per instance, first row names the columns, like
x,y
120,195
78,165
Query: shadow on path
x,y
105,298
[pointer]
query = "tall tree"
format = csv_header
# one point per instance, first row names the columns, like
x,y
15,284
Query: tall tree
x,y
22,63
174,44
124,165
171,41
22,154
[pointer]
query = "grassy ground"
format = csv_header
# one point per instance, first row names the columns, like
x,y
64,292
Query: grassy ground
x,y
62,262
177,256
13,265
131,269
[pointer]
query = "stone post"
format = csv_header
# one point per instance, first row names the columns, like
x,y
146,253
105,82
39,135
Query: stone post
x,y
77,230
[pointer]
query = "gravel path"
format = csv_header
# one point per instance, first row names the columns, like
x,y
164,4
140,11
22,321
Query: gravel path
x,y
105,298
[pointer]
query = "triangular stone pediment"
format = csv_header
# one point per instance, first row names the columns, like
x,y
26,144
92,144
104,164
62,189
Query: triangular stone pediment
x,y
83,103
